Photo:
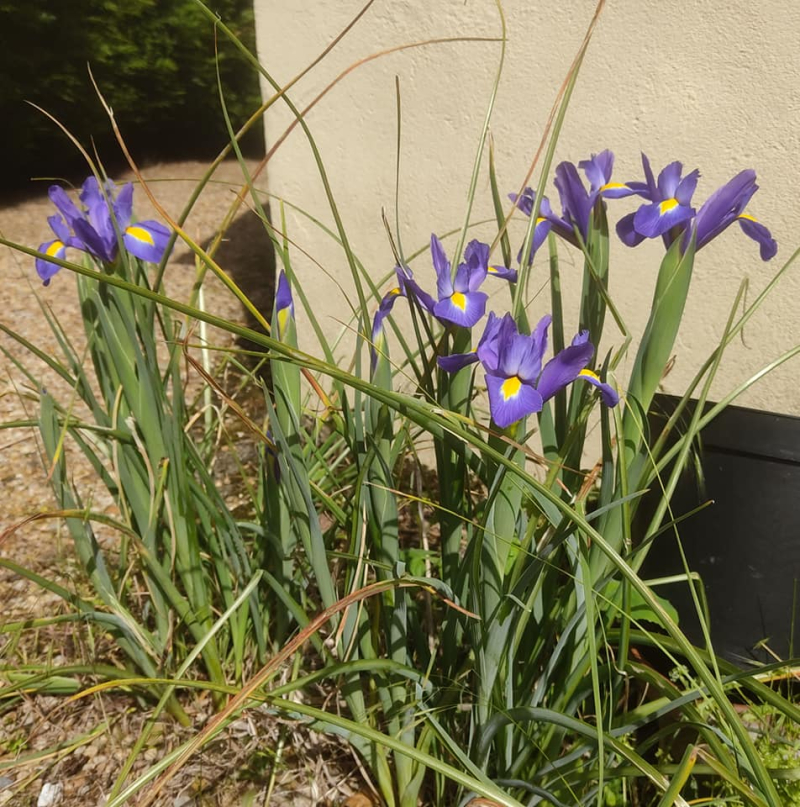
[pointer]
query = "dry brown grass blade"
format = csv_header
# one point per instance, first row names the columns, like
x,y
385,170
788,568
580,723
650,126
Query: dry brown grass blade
x,y
268,669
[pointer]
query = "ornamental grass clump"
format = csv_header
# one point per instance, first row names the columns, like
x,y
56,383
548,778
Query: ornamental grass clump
x,y
480,634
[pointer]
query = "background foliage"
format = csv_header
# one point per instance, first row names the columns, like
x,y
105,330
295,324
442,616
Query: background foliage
x,y
154,60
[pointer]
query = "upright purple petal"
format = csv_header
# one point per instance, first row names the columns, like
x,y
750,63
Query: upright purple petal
x,y
497,328
598,169
123,206
686,187
669,179
444,283
476,258
65,205
575,201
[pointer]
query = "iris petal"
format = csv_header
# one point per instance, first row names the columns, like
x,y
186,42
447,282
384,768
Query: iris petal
x,y
609,395
146,240
564,368
462,309
508,408
46,269
758,232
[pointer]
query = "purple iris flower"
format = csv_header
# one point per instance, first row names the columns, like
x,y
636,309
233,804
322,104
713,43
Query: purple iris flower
x,y
460,302
670,214
56,248
576,201
91,227
284,304
726,205
546,221
518,385
384,309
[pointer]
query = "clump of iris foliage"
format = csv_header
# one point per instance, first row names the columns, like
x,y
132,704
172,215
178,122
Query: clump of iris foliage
x,y
499,655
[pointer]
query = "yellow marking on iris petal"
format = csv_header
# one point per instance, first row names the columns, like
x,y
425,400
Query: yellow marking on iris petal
x,y
589,374
540,220
510,387
610,186
140,234
459,300
283,319
748,217
667,205
54,248
394,292
492,270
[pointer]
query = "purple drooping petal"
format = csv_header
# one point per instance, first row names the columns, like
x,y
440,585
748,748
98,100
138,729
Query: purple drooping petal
x,y
758,232
455,362
384,309
46,269
461,308
419,294
525,201
146,240
503,272
655,219
609,395
627,232
511,400
720,210
564,368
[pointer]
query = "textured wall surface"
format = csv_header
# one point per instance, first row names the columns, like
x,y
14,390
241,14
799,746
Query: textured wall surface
x,y
714,84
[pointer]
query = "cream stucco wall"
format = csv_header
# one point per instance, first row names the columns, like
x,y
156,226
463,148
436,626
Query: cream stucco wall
x,y
714,83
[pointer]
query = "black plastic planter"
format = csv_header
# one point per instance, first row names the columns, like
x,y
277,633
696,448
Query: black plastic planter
x,y
746,545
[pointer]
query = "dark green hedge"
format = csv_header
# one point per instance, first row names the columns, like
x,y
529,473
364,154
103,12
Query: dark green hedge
x,y
154,60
